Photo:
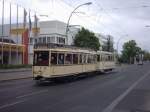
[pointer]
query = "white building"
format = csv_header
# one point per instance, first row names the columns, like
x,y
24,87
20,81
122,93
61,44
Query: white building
x,y
50,32
103,40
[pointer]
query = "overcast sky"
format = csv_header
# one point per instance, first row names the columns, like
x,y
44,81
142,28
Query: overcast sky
x,y
118,18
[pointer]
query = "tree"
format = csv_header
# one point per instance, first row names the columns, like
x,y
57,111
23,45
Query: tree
x,y
87,39
146,55
130,50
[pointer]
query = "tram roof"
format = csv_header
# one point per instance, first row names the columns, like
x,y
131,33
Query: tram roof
x,y
63,48
66,48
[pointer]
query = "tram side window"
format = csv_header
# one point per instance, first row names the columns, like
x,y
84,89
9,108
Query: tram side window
x,y
75,58
102,59
80,58
61,58
90,58
94,58
41,58
98,58
84,58
53,58
112,57
109,58
106,57
68,59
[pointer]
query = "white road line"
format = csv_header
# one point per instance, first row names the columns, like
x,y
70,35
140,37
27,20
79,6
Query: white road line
x,y
12,104
33,93
110,107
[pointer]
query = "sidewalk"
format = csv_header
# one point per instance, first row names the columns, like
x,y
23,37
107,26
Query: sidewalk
x,y
15,74
15,70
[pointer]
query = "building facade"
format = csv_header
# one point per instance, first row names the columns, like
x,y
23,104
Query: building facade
x,y
106,42
49,32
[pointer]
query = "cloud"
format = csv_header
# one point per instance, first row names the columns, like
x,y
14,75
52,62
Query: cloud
x,y
117,17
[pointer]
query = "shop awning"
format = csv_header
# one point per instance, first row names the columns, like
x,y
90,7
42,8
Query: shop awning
x,y
11,47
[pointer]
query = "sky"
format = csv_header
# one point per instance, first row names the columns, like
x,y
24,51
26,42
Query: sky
x,y
123,19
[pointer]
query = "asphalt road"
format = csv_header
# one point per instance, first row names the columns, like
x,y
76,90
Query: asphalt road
x,y
12,75
127,89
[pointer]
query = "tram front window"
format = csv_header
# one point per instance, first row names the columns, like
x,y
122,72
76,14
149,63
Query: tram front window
x,y
41,58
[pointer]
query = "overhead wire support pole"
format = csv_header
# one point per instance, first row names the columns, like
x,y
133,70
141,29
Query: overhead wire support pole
x,y
2,36
67,26
10,35
17,37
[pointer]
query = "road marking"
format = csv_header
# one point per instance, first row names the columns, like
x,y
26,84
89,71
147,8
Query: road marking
x,y
110,107
33,93
12,104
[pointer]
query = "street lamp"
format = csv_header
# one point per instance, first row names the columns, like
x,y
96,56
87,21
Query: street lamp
x,y
88,3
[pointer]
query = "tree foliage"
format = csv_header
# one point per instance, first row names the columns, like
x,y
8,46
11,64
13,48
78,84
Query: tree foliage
x,y
87,39
130,50
146,55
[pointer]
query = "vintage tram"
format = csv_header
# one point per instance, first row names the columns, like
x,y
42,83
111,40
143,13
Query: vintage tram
x,y
57,61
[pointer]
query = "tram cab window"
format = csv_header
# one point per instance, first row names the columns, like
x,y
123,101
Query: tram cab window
x,y
68,59
53,58
60,58
75,58
41,58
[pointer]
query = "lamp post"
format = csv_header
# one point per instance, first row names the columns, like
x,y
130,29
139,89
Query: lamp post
x,y
67,26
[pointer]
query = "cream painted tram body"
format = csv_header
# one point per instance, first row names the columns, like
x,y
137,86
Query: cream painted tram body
x,y
51,63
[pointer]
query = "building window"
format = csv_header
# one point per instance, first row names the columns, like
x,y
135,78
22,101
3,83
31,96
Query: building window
x,y
48,40
31,40
40,40
52,39
44,39
35,41
61,40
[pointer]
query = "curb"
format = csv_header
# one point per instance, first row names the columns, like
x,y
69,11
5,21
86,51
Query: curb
x,y
8,71
5,80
